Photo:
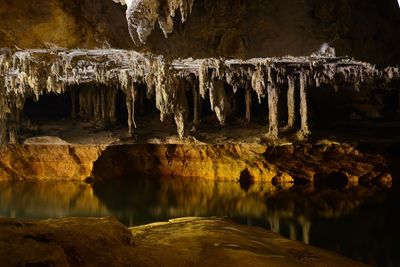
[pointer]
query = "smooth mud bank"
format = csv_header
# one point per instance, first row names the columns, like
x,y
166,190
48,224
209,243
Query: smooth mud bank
x,y
322,163
183,242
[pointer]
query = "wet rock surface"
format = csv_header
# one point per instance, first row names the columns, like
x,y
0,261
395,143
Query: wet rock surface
x,y
189,241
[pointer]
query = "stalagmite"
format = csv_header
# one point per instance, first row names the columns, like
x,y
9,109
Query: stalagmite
x,y
291,102
304,131
272,104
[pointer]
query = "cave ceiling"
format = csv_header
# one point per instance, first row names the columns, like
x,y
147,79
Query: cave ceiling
x,y
367,30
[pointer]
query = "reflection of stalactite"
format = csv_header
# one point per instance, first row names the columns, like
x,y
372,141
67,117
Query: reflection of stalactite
x,y
292,231
306,225
274,223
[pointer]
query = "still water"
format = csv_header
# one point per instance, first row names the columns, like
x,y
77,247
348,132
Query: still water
x,y
359,223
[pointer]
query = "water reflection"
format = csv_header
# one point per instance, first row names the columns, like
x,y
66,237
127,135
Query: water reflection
x,y
359,223
50,199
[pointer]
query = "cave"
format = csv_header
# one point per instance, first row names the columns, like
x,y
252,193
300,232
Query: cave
x,y
59,105
254,133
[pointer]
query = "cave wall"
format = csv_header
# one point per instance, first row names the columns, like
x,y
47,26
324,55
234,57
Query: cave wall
x,y
63,23
365,29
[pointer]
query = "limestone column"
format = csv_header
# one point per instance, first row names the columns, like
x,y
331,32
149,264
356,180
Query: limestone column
x,y
272,105
291,100
304,131
196,108
130,106
248,103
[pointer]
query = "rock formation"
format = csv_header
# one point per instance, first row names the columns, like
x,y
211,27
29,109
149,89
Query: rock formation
x,y
212,242
81,73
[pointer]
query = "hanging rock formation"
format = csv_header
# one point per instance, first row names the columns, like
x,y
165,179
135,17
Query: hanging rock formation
x,y
142,16
32,73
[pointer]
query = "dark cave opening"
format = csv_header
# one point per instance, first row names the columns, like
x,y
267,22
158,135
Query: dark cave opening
x,y
345,104
49,107
120,106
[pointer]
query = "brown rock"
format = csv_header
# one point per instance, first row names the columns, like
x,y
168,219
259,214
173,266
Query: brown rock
x,y
183,242
48,161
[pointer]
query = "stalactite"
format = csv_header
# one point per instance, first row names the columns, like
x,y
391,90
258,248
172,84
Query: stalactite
x,y
258,84
291,102
304,131
143,14
164,96
203,79
97,74
219,101
272,104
